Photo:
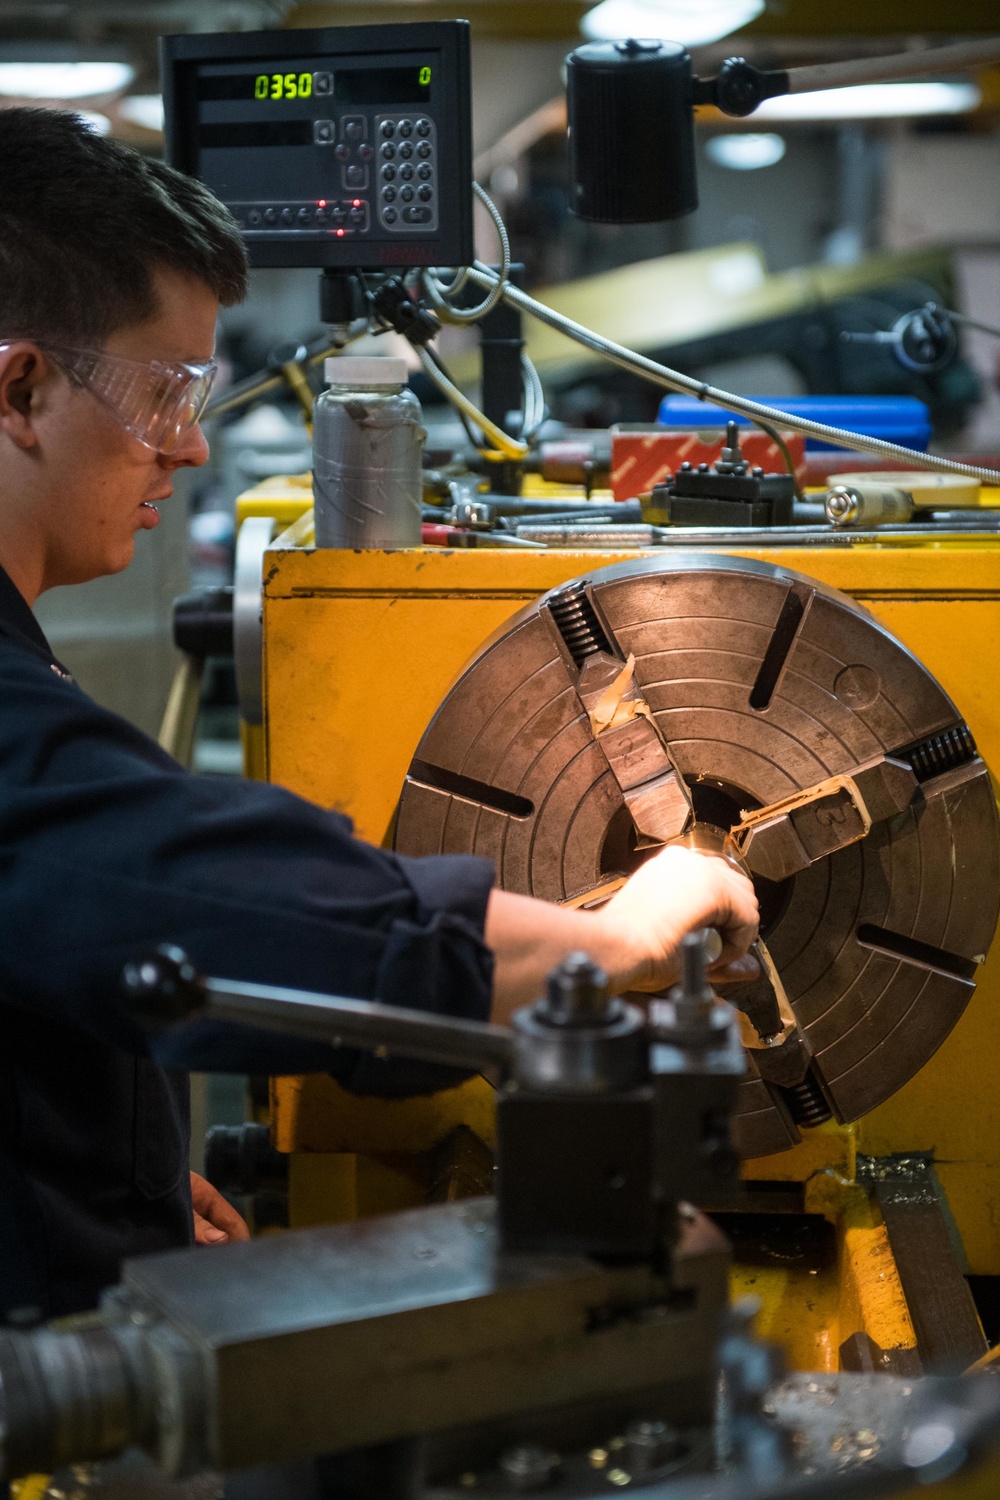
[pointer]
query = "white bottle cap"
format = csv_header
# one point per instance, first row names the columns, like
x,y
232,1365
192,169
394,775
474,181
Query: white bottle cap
x,y
357,369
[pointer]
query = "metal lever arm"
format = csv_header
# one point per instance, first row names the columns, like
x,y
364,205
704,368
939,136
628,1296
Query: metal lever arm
x,y
165,990
739,87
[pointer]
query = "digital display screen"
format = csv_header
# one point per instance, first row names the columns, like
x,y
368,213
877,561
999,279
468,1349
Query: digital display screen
x,y
256,133
341,147
379,86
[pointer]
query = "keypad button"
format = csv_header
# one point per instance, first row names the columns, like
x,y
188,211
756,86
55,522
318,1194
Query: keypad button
x,y
270,216
324,132
423,128
406,172
355,177
388,151
425,171
406,127
254,216
388,195
304,216
338,213
406,150
418,214
425,193
388,129
406,194
342,152
365,152
355,129
388,174
424,149
357,216
323,83
287,217
322,217
389,216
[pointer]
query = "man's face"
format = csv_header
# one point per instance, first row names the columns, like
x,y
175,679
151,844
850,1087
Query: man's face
x,y
93,485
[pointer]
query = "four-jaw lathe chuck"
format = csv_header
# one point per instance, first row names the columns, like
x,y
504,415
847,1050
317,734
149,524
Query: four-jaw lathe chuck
x,y
719,698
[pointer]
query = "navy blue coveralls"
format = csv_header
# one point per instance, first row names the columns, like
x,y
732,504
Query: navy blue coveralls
x,y
107,848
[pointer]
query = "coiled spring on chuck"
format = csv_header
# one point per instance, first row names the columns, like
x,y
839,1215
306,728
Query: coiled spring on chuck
x,y
942,752
577,622
807,1103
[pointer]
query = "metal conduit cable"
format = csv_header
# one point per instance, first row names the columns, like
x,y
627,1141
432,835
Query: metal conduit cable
x,y
534,407
756,411
438,294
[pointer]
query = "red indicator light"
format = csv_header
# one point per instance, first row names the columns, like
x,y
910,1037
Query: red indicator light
x,y
321,203
357,203
340,234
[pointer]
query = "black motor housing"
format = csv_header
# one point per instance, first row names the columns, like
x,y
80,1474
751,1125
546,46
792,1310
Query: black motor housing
x,y
631,132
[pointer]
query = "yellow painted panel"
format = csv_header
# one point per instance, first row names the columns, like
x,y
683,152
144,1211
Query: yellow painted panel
x,y
360,649
254,751
871,1294
333,1188
798,1310
315,1114
826,1148
973,1192
982,1484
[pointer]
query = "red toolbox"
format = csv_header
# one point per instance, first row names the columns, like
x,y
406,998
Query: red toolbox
x,y
642,456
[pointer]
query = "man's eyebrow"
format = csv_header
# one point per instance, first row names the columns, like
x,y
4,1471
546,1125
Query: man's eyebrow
x,y
187,359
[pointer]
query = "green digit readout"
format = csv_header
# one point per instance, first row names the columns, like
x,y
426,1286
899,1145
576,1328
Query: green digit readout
x,y
425,77
283,86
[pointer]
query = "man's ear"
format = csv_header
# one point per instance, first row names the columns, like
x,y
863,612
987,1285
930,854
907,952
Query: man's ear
x,y
23,371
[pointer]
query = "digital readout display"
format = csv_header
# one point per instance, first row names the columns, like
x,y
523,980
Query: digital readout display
x,y
379,86
255,133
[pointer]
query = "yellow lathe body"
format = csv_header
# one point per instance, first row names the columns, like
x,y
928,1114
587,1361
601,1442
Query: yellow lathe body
x,y
360,649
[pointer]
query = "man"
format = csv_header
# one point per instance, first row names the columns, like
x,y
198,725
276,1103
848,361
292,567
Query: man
x,y
112,270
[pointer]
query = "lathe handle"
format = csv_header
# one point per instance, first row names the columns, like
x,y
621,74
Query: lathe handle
x,y
165,989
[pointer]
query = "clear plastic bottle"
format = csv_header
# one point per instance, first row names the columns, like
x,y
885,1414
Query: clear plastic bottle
x,y
368,441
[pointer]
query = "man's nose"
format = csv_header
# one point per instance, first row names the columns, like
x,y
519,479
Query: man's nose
x,y
191,452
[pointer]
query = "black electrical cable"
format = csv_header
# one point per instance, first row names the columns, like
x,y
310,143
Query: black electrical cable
x,y
477,441
786,454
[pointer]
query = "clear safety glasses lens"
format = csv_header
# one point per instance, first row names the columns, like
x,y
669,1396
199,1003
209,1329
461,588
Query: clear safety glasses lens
x,y
158,403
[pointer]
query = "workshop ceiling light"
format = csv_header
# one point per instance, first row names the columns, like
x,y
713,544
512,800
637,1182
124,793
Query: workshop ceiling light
x,y
693,23
745,153
873,101
63,80
143,109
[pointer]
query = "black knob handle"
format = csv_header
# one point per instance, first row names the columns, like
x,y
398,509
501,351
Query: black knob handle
x,y
163,988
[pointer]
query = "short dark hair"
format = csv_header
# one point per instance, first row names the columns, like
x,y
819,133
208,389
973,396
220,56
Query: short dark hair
x,y
85,221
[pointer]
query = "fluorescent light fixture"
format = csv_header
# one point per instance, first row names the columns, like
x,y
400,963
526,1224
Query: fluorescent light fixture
x,y
745,153
143,109
693,23
63,80
873,101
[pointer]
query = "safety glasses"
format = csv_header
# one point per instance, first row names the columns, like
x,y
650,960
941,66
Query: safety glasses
x,y
158,402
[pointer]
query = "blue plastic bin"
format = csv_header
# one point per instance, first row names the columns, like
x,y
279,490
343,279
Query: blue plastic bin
x,y
896,419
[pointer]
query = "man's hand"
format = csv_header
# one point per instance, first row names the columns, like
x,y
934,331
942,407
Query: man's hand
x,y
216,1222
675,892
634,938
